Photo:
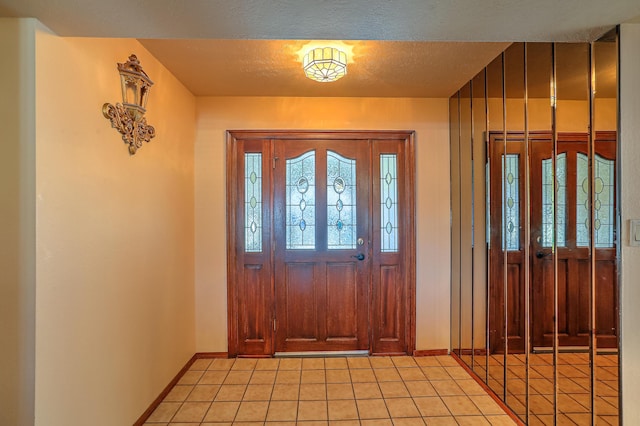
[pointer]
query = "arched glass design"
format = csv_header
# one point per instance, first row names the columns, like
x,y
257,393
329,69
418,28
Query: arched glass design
x,y
603,202
341,202
300,206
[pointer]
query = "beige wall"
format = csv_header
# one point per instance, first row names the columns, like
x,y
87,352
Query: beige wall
x,y
630,209
17,221
115,237
428,117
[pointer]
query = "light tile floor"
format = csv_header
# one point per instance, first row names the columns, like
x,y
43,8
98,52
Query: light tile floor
x,y
574,387
326,391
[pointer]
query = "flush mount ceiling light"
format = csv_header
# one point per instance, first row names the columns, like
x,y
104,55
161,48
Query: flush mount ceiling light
x,y
325,64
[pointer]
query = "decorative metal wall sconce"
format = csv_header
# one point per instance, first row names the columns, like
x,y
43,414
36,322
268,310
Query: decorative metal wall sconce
x,y
128,117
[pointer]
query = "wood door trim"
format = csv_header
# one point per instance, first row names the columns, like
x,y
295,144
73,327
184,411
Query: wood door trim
x,y
320,134
232,199
232,202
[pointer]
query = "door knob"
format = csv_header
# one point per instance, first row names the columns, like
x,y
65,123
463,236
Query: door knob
x,y
359,256
540,254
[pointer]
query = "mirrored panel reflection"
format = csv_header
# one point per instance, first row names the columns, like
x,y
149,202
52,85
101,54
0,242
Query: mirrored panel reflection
x,y
466,218
514,205
606,390
534,247
539,113
497,162
456,225
480,228
573,370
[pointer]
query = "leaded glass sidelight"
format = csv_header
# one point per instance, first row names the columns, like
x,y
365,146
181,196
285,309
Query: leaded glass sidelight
x,y
511,202
548,194
603,224
389,202
341,202
300,205
252,202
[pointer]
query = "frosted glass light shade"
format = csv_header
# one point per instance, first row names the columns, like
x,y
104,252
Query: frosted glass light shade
x,y
325,64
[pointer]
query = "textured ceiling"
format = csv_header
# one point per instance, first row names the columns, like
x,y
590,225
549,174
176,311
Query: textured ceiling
x,y
418,48
274,67
408,20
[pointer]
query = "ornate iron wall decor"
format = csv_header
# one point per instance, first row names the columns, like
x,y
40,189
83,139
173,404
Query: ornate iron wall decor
x,y
128,117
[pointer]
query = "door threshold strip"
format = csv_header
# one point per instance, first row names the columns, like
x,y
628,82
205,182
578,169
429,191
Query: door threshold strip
x,y
320,354
569,349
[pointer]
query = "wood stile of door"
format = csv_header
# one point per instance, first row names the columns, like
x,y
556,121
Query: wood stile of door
x,y
283,300
573,261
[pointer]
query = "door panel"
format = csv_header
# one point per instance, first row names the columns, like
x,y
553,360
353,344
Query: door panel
x,y
253,294
321,199
342,301
300,294
389,313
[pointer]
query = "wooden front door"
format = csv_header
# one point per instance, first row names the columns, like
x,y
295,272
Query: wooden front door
x,y
573,242
321,253
322,233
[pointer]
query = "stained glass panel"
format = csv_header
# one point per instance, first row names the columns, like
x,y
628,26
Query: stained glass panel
x,y
511,202
389,202
300,206
582,201
603,225
341,202
548,193
252,202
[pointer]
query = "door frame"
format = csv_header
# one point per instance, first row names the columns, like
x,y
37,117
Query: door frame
x,y
235,224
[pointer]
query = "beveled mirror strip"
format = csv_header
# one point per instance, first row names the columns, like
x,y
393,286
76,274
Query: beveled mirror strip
x,y
554,248
527,231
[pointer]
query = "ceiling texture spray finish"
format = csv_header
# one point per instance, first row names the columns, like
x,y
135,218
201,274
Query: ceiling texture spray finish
x,y
379,69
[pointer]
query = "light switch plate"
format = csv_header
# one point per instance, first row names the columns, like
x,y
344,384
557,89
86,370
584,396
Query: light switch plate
x,y
634,232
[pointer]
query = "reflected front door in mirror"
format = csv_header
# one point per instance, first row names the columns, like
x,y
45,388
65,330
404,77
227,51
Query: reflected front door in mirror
x,y
534,152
